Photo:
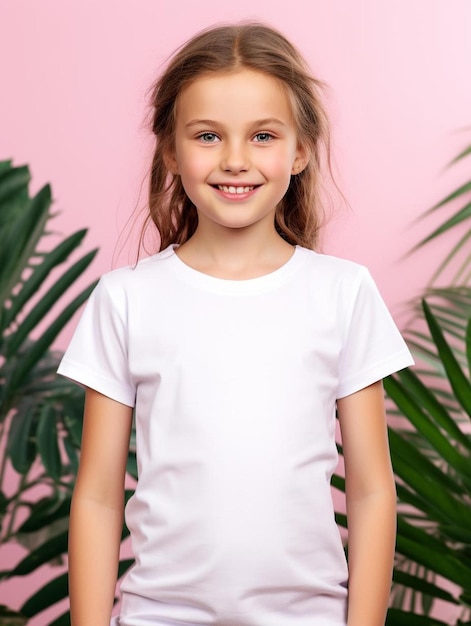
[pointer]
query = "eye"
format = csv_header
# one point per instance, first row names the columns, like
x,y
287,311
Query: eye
x,y
208,137
263,137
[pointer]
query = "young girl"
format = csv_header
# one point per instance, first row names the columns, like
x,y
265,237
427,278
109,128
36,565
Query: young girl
x,y
235,345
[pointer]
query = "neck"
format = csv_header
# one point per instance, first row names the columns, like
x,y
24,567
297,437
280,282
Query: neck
x,y
235,254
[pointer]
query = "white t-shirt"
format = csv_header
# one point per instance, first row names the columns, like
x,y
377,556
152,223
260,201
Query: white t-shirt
x,y
234,384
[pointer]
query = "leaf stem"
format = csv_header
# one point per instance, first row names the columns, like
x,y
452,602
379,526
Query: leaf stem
x,y
16,505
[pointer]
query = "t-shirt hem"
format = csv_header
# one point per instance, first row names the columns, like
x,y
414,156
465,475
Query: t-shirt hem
x,y
376,372
88,378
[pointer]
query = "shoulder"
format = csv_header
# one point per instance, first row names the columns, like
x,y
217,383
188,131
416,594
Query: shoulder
x,y
139,274
133,285
332,270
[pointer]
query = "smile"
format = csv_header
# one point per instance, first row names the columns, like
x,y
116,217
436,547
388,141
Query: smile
x,y
233,189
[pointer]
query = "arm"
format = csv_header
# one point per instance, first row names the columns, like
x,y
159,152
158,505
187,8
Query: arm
x,y
371,504
96,516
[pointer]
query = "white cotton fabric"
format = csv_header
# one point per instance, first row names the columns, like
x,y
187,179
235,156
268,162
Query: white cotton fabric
x,y
234,385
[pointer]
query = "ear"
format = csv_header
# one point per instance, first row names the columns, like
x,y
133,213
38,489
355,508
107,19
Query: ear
x,y
170,161
301,160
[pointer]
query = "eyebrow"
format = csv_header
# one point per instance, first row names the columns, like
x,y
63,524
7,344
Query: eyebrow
x,y
265,122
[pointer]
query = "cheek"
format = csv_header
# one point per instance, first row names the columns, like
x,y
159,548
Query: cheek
x,y
280,162
279,167
195,165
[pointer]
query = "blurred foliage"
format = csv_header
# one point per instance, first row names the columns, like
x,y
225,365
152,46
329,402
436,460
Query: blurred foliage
x,y
40,412
431,448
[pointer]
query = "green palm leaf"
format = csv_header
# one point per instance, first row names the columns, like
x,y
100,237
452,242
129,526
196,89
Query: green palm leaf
x,y
457,378
435,400
463,214
33,283
396,617
19,241
53,592
32,411
423,586
47,436
20,447
43,307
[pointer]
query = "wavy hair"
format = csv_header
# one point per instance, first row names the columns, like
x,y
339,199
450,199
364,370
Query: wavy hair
x,y
228,48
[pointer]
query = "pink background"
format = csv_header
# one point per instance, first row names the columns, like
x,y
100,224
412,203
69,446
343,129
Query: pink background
x,y
74,76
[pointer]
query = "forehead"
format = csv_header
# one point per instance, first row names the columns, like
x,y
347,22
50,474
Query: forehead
x,y
239,95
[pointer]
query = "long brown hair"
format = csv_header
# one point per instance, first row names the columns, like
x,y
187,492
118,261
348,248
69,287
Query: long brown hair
x,y
228,48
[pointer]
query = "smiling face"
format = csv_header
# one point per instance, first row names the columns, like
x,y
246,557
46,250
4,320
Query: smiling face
x,y
236,148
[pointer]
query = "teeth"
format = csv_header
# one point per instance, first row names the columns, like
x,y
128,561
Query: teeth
x,y
232,189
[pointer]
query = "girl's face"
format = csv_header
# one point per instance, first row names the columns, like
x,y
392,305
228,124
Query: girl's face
x,y
236,148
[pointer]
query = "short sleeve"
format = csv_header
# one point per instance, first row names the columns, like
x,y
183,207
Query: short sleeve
x,y
97,356
372,346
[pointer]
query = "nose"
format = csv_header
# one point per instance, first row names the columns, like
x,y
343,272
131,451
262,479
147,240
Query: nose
x,y
235,158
